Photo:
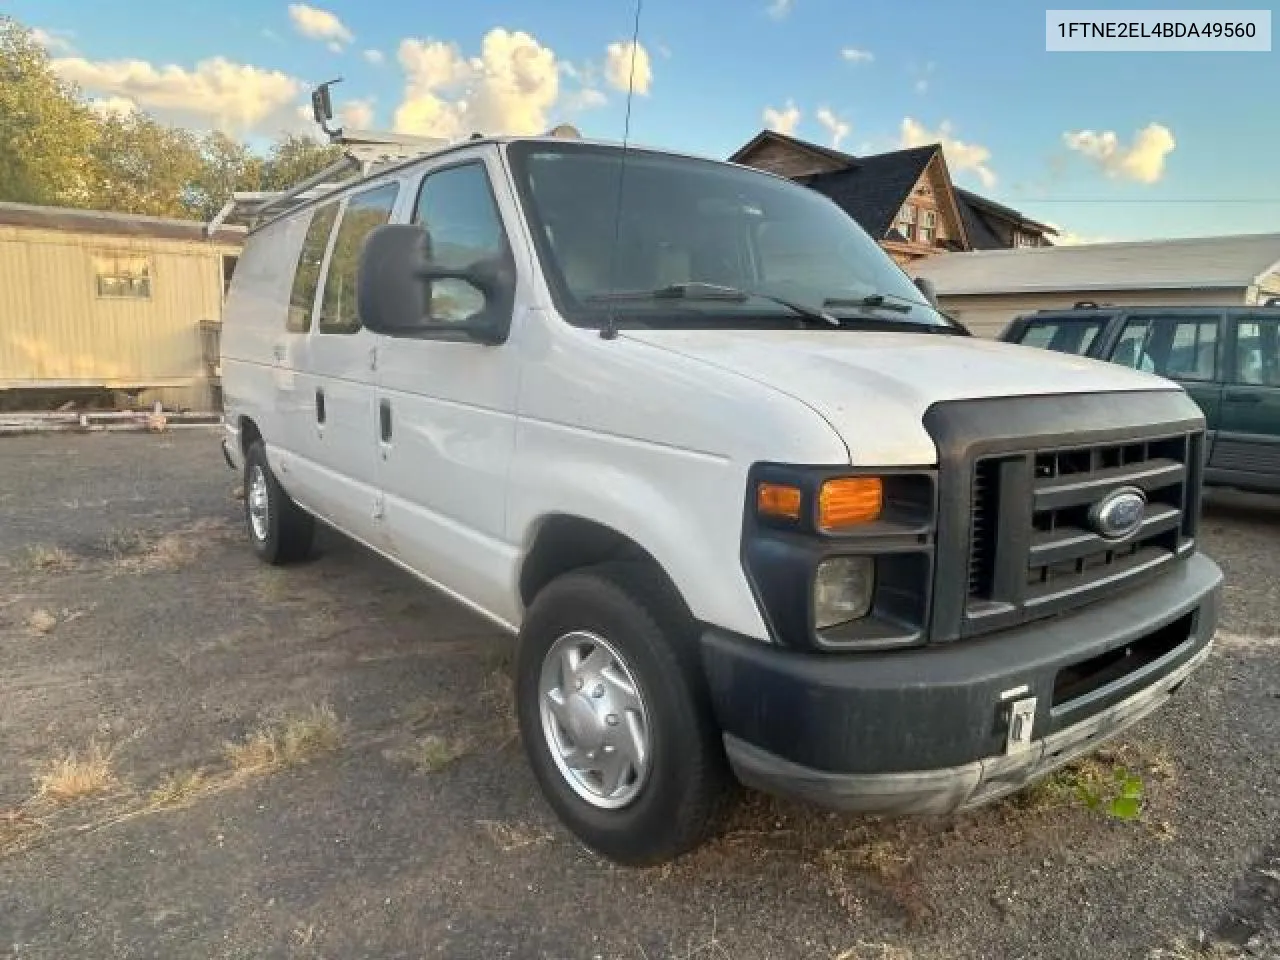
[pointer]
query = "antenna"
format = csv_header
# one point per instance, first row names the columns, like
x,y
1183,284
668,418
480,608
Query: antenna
x,y
609,330
322,107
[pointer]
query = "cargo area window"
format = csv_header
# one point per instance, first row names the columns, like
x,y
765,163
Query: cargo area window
x,y
1063,336
122,276
306,276
363,213
1258,353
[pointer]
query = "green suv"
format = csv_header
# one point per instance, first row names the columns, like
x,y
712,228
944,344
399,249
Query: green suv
x,y
1226,358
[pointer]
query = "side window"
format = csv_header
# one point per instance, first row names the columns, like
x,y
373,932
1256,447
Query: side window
x,y
1181,347
364,212
1258,352
1062,336
1131,348
306,276
458,208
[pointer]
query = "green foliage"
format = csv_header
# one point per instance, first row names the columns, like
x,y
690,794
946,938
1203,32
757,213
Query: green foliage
x,y
1119,796
55,150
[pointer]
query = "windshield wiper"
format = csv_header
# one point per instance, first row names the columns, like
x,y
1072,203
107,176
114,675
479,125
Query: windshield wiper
x,y
874,301
714,291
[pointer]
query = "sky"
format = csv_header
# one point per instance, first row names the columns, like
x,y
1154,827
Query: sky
x,y
1105,146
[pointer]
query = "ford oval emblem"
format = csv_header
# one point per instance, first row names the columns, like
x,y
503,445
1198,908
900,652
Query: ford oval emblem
x,y
1119,514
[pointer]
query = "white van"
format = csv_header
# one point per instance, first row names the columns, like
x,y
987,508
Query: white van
x,y
753,507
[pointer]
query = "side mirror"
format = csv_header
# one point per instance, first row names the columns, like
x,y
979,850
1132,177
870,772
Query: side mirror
x,y
925,286
393,287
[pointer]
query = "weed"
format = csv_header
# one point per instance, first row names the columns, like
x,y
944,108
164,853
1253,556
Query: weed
x,y
516,835
495,694
874,951
39,558
294,740
177,788
41,622
1185,950
431,754
72,776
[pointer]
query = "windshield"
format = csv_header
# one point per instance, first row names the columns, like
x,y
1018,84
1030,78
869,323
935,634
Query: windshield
x,y
687,221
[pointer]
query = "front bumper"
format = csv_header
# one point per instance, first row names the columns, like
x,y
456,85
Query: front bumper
x,y
926,730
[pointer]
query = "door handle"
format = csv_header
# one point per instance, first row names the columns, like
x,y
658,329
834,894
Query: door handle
x,y
319,405
384,420
1243,398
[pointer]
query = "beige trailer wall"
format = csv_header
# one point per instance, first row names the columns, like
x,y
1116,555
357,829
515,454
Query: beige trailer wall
x,y
988,314
57,331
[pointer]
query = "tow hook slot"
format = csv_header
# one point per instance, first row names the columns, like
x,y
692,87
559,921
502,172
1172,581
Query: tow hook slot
x,y
1022,719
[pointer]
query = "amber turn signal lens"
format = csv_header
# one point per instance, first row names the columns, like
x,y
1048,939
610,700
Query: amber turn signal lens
x,y
849,501
778,500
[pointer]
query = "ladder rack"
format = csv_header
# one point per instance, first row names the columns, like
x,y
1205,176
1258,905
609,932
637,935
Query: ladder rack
x,y
364,153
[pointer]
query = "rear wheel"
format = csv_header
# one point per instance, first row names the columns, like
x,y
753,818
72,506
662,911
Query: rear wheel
x,y
613,716
279,530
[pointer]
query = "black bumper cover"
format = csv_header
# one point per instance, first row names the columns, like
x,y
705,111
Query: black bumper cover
x,y
857,731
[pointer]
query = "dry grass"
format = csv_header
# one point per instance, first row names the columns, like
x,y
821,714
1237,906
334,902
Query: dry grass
x,y
73,775
1183,949
432,753
16,826
517,835
294,740
178,788
40,558
135,552
874,951
41,622
496,695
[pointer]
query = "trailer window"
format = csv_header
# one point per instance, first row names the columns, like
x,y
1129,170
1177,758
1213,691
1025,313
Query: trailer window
x,y
122,277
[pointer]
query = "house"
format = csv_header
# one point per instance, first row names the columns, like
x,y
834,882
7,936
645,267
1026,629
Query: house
x,y
99,305
986,289
905,198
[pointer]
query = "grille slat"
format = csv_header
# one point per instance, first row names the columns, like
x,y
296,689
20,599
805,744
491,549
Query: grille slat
x,y
1048,557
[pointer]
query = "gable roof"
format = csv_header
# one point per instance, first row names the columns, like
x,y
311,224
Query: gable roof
x,y
979,232
1205,263
873,190
986,205
817,149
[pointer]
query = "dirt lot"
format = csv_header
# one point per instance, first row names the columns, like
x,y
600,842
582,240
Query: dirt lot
x,y
321,762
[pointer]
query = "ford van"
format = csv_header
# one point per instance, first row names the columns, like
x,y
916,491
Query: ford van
x,y
752,508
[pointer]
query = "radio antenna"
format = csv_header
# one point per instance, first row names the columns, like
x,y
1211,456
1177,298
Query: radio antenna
x,y
609,329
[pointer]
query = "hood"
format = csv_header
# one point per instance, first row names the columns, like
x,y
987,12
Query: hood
x,y
874,388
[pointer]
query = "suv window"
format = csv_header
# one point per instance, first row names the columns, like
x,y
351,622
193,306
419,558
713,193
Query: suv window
x,y
306,275
1064,335
1258,352
364,212
458,208
1182,347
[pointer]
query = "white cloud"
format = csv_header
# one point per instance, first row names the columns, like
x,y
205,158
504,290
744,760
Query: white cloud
x,y
839,129
1143,160
625,62
779,9
507,89
229,96
783,121
54,41
113,106
854,55
959,155
357,114
375,57
923,76
317,24
586,98
333,46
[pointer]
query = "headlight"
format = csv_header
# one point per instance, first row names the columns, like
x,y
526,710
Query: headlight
x,y
842,590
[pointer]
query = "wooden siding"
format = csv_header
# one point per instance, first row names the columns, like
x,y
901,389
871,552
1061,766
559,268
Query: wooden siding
x,y
56,331
932,192
788,161
986,315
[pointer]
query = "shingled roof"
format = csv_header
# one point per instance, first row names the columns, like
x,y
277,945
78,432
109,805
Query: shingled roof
x,y
817,149
872,189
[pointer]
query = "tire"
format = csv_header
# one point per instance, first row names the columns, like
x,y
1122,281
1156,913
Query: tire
x,y
674,804
285,533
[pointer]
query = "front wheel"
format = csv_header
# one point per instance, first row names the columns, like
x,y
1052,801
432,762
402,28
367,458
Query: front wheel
x,y
279,530
612,714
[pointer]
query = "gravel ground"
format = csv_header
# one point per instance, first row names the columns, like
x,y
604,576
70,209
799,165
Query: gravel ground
x,y
379,804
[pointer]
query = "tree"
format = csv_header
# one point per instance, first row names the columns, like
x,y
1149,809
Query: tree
x,y
45,132
294,158
227,166
141,166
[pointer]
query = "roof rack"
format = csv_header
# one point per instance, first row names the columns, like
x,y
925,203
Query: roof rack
x,y
363,153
